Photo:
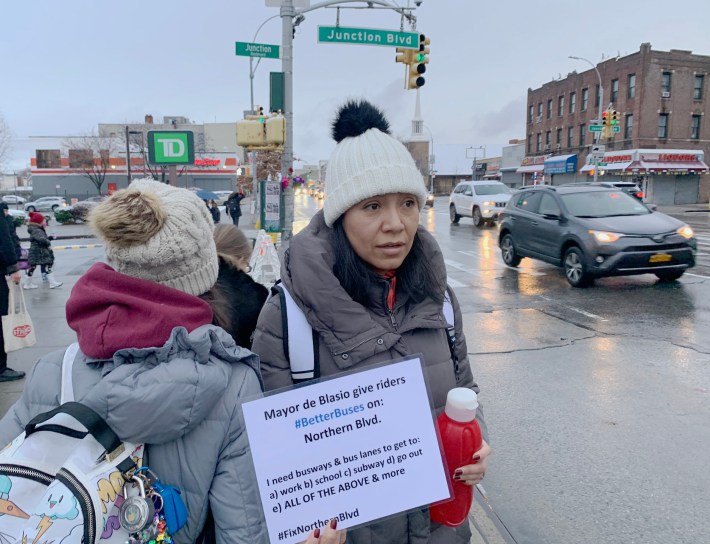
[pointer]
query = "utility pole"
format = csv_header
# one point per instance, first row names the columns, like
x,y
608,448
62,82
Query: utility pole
x,y
288,12
597,135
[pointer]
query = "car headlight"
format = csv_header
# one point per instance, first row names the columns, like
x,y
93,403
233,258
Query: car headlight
x,y
604,237
686,232
488,203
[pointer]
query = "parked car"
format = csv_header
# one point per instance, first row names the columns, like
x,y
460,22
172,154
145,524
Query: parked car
x,y
480,200
629,187
98,199
429,200
13,199
45,204
591,231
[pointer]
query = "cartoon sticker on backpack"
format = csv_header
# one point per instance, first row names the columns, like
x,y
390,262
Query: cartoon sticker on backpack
x,y
7,507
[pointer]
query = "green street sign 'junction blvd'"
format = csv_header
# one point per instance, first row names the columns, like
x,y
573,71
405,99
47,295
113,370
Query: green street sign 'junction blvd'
x,y
263,50
368,36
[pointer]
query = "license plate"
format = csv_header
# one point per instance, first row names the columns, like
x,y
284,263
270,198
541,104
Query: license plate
x,y
660,258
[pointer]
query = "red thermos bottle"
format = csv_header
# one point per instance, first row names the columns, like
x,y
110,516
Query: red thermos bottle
x,y
460,438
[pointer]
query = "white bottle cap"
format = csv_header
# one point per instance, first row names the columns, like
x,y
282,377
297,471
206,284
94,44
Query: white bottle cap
x,y
461,404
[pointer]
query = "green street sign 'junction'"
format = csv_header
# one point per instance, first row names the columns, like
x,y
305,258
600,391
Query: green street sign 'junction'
x,y
263,50
368,36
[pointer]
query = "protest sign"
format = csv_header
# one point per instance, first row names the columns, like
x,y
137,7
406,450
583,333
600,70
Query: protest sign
x,y
359,447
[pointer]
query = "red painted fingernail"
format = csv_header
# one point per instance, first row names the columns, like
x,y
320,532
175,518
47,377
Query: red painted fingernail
x,y
458,472
316,533
476,457
333,523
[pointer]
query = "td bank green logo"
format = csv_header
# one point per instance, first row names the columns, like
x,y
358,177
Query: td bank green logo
x,y
171,147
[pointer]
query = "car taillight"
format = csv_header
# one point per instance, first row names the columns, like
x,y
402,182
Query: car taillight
x,y
639,194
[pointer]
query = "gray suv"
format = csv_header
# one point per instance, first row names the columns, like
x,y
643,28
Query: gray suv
x,y
593,231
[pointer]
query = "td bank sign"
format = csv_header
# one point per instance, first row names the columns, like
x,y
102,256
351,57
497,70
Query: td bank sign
x,y
171,147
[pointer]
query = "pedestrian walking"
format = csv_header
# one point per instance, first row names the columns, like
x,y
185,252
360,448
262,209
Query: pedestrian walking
x,y
233,206
236,298
41,253
8,263
151,363
371,284
214,211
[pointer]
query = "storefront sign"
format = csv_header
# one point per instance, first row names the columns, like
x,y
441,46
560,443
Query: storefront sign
x,y
358,447
207,162
618,158
670,157
531,161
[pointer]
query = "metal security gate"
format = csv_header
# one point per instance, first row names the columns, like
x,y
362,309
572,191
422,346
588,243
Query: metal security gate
x,y
687,189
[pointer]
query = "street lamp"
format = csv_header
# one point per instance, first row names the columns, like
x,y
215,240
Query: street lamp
x,y
597,135
128,152
475,156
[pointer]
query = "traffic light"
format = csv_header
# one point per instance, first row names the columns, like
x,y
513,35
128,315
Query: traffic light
x,y
259,112
404,55
614,118
250,132
275,130
606,119
418,66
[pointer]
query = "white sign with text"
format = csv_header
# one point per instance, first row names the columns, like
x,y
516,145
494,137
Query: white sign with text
x,y
358,447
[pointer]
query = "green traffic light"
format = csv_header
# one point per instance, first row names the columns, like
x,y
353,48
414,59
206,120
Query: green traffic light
x,y
420,57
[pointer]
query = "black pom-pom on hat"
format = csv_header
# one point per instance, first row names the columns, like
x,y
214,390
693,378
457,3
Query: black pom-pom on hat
x,y
356,117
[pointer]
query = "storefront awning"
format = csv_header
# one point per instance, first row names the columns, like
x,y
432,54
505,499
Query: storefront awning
x,y
529,169
655,166
561,164
613,166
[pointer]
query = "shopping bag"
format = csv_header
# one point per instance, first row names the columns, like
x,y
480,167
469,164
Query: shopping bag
x,y
24,262
17,328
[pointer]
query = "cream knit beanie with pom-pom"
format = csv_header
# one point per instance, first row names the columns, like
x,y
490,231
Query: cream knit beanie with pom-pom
x,y
159,233
367,162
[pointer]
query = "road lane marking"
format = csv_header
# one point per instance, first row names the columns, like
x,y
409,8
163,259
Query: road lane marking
x,y
82,246
579,311
458,266
454,283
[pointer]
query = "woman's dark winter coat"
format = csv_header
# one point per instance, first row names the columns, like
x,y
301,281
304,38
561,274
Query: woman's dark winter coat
x,y
246,297
216,214
40,246
234,205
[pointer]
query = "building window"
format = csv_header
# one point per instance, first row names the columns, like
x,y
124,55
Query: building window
x,y
570,136
529,144
582,134
558,139
548,139
666,83
560,106
631,92
48,158
614,90
698,87
81,158
572,102
597,98
549,108
530,114
539,141
663,125
629,127
585,99
695,127
539,110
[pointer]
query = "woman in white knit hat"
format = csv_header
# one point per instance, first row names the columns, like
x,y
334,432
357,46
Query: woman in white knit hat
x,y
371,283
151,363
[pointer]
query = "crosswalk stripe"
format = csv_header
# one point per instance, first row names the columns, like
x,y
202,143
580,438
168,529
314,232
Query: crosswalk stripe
x,y
518,270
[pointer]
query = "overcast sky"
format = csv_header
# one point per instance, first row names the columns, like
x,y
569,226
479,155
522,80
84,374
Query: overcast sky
x,y
67,65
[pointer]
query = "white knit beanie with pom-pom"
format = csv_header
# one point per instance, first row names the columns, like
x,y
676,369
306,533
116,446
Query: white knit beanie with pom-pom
x,y
367,162
159,233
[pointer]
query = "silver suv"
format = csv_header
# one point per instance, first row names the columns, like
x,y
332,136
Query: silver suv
x,y
480,200
45,204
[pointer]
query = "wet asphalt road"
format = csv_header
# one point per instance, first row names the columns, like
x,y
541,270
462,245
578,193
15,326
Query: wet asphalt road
x,y
597,400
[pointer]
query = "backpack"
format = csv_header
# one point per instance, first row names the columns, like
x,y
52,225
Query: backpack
x,y
69,479
303,358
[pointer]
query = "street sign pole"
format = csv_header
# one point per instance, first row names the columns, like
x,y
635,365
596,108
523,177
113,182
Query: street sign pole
x,y
287,14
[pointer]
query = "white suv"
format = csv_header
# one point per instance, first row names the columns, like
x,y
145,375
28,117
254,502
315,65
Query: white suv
x,y
481,200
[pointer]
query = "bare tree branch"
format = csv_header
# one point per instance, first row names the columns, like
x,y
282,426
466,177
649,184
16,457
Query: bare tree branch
x,y
5,137
90,156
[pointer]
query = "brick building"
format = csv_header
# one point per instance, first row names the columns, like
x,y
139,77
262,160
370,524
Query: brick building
x,y
661,98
